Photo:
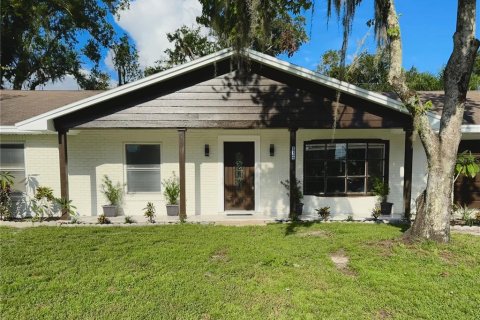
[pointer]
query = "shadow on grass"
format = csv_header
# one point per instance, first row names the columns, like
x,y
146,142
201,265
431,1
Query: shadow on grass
x,y
403,226
293,226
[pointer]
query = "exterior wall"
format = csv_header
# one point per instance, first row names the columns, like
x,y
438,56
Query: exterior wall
x,y
89,160
94,153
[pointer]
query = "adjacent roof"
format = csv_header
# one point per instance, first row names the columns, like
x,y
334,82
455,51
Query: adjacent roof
x,y
19,105
472,107
36,110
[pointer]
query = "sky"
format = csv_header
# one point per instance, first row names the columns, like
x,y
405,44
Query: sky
x,y
427,28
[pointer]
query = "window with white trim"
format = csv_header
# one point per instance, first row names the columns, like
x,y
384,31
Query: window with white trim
x,y
143,167
12,160
343,167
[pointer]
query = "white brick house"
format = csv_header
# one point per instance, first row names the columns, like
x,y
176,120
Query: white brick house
x,y
264,126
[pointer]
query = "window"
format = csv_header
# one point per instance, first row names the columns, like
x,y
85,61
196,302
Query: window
x,y
12,159
143,167
343,167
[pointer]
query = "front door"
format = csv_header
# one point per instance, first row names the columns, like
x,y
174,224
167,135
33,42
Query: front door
x,y
239,173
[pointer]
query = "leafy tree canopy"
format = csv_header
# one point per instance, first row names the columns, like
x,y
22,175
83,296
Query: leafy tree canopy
x,y
125,60
188,44
95,80
370,71
40,38
272,27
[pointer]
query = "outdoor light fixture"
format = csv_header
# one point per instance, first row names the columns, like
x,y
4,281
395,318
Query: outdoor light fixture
x,y
207,150
272,150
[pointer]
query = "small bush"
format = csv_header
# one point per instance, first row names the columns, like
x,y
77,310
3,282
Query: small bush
x,y
42,202
129,220
150,212
324,212
376,212
103,220
67,207
466,214
6,183
350,218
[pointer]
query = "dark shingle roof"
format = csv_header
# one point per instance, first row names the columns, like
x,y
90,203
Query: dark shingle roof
x,y
472,108
17,105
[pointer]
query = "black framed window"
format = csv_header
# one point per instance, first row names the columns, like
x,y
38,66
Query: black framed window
x,y
343,167
143,167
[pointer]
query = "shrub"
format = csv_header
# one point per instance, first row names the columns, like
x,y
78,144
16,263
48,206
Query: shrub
x,y
466,214
172,189
112,192
67,207
324,212
129,220
376,212
350,218
42,202
103,220
6,183
44,193
150,212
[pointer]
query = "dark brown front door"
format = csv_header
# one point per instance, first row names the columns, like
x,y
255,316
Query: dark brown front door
x,y
239,170
467,190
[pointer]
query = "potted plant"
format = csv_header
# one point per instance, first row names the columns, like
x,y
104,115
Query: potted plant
x,y
297,195
114,194
381,190
171,192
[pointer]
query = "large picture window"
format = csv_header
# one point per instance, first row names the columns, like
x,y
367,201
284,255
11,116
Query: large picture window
x,y
143,167
343,167
12,160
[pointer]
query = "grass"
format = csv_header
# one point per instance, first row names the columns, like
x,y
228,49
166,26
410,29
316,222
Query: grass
x,y
213,272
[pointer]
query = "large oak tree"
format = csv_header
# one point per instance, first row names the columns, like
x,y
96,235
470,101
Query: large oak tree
x,y
432,219
40,38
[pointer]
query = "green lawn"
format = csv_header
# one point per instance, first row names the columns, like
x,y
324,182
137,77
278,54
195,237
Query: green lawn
x,y
212,272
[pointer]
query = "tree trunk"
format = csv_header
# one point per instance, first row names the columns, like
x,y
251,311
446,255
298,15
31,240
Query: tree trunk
x,y
432,220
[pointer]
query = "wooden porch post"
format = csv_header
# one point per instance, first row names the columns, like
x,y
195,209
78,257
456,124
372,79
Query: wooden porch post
x,y
407,173
181,160
293,176
63,157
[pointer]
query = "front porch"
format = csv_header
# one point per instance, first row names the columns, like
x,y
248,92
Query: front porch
x,y
293,124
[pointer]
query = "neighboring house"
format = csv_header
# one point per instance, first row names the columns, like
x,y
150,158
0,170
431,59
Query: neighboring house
x,y
231,137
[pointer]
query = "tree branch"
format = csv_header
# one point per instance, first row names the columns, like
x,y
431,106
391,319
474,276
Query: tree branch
x,y
459,68
396,78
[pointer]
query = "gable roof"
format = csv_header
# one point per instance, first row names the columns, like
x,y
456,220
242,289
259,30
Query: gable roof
x,y
44,122
42,107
